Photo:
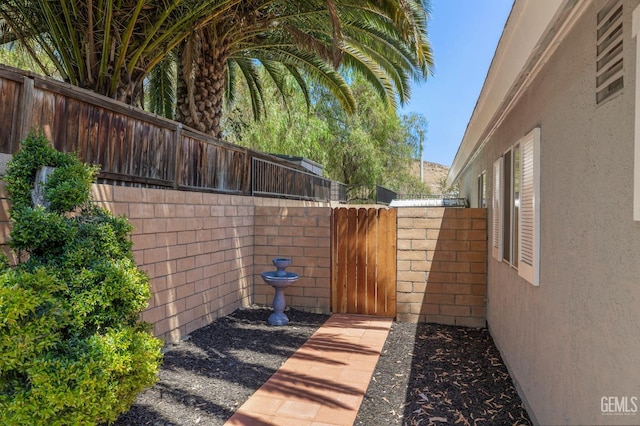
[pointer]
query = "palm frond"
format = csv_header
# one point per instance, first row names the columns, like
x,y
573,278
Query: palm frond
x,y
162,95
252,78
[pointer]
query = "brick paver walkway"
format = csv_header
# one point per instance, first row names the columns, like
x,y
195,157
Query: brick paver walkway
x,y
323,383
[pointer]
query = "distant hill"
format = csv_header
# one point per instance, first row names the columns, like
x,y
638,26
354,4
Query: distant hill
x,y
434,174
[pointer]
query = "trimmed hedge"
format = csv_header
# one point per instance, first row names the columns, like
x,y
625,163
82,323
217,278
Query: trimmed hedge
x,y
72,348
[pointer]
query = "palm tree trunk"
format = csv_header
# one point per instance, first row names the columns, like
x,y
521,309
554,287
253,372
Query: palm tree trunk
x,y
201,84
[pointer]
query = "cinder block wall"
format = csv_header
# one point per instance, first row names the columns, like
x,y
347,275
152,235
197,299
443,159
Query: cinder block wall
x,y
442,264
197,248
304,235
205,252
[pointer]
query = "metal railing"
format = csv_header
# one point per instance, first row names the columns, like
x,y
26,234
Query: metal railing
x,y
430,200
338,192
369,194
275,180
384,195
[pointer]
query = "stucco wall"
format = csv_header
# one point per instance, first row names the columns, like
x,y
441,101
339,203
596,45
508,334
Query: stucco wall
x,y
575,339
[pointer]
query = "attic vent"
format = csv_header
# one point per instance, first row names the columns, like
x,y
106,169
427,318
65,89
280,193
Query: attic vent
x,y
609,59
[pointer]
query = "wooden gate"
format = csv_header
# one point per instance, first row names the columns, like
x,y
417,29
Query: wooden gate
x,y
363,261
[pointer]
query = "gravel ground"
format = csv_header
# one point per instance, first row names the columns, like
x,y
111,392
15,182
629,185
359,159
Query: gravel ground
x,y
427,374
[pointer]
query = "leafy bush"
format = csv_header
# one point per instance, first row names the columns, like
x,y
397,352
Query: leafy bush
x,y
72,348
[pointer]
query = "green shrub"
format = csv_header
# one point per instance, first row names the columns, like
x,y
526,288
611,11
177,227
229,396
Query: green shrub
x,y
72,348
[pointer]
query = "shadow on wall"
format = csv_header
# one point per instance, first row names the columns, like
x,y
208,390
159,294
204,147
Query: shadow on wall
x,y
456,284
442,264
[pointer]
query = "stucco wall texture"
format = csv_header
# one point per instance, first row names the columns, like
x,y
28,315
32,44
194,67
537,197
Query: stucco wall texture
x,y
573,343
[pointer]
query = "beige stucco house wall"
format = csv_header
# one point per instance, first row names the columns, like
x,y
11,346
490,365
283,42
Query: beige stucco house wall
x,y
571,342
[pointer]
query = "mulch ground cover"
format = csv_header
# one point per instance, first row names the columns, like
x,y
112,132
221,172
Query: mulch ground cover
x,y
427,374
431,374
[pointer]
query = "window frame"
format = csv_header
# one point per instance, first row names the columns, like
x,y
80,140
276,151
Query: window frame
x,y
482,189
529,232
516,220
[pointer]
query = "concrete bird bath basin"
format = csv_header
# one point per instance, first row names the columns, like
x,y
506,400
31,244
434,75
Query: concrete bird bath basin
x,y
279,280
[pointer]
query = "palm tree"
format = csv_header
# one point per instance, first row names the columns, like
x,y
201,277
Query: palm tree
x,y
110,46
384,41
107,46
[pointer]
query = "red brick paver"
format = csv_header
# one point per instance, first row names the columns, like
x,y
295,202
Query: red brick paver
x,y
324,382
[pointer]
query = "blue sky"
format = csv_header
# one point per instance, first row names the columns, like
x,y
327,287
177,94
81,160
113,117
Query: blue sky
x,y
464,35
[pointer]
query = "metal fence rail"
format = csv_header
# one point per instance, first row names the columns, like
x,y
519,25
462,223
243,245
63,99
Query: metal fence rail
x,y
430,200
338,192
275,180
384,195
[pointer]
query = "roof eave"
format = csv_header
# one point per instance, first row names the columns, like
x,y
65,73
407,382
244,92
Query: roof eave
x,y
531,34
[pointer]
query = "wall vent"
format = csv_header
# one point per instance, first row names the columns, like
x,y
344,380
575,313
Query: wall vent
x,y
609,58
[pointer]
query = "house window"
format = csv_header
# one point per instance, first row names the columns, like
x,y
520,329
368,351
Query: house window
x,y
511,205
516,207
482,190
507,206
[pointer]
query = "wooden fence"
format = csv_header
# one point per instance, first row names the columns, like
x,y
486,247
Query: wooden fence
x,y
363,257
130,145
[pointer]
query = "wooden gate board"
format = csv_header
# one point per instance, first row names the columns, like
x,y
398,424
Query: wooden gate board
x,y
363,257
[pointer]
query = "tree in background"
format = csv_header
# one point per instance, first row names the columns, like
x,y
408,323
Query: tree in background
x,y
16,55
288,126
312,47
373,145
111,47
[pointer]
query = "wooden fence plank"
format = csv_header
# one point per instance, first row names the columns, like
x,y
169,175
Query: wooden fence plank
x,y
72,116
130,144
372,254
9,92
361,259
26,108
382,267
363,253
352,240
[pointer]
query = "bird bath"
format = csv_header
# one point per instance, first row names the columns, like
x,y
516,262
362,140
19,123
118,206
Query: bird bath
x,y
279,280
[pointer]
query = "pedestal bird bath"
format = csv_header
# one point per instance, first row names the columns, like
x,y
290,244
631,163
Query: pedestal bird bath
x,y
279,280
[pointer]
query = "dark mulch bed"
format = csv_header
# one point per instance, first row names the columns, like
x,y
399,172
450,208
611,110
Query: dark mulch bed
x,y
431,374
427,374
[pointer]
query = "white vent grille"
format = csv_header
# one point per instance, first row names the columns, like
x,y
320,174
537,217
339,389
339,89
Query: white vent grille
x,y
609,59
